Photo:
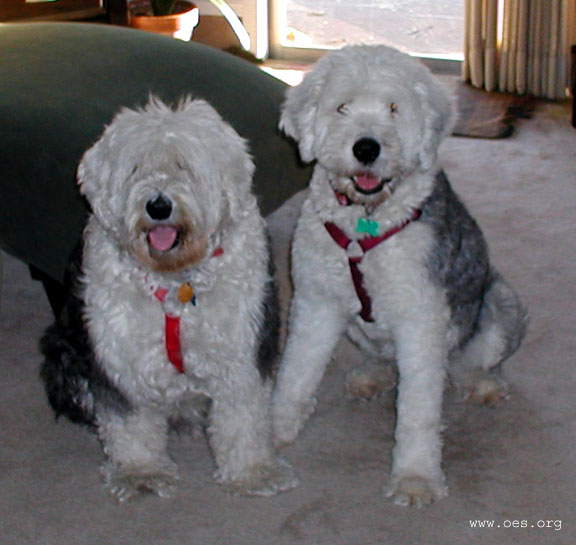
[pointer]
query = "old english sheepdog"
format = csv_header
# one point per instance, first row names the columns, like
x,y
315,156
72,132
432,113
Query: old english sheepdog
x,y
385,251
171,315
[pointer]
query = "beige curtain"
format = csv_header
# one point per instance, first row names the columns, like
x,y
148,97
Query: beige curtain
x,y
519,46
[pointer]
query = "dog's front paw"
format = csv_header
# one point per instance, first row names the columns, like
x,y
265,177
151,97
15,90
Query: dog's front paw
x,y
287,422
416,491
127,483
260,480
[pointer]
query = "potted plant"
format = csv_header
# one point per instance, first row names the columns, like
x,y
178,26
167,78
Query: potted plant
x,y
179,17
175,18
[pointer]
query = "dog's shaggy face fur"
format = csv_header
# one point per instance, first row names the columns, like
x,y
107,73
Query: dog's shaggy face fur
x,y
367,123
162,190
385,251
172,316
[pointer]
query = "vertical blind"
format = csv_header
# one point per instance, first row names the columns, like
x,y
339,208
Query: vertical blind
x,y
519,46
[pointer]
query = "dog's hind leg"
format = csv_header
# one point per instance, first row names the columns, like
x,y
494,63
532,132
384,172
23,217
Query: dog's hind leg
x,y
377,375
370,380
136,447
501,326
316,325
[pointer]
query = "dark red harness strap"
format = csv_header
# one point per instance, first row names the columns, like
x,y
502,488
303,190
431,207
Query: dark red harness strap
x,y
366,243
358,280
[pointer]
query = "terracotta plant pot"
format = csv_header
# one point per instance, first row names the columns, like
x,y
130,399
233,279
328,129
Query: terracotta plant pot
x,y
178,25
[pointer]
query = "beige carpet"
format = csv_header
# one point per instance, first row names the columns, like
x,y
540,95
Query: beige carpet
x,y
514,466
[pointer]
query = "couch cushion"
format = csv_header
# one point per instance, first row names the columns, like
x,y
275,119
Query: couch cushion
x,y
61,83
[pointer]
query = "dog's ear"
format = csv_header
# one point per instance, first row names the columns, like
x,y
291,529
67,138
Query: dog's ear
x,y
230,157
298,115
92,175
438,110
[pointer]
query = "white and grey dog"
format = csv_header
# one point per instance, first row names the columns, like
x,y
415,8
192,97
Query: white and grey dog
x,y
172,312
385,251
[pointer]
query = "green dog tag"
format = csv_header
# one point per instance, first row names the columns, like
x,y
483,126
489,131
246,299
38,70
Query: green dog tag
x,y
367,226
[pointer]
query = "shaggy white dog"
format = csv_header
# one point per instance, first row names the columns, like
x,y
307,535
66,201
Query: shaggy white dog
x,y
385,251
174,311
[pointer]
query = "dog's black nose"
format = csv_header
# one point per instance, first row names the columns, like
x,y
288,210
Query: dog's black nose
x,y
159,208
366,150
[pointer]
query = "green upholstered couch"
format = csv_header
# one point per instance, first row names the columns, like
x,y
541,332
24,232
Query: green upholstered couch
x,y
61,83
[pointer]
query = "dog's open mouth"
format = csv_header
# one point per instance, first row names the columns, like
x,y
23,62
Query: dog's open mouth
x,y
367,184
163,238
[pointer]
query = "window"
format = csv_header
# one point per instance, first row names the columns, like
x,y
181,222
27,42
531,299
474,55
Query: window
x,y
429,28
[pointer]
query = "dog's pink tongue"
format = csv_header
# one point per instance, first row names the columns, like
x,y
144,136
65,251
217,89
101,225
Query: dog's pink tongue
x,y
162,238
366,182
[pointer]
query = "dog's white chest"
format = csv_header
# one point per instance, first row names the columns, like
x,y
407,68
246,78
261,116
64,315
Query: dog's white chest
x,y
396,276
135,340
394,273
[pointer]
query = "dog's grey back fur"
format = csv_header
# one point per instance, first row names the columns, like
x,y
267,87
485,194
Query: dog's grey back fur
x,y
459,261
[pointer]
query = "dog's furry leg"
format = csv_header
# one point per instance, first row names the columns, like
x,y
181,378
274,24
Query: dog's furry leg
x,y
241,438
316,325
136,447
417,477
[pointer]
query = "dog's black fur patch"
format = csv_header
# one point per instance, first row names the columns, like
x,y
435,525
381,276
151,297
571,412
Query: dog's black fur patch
x,y
73,380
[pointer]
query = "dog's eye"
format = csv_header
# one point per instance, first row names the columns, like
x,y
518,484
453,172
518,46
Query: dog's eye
x,y
393,107
342,109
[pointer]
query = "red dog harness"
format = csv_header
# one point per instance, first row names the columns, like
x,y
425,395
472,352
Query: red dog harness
x,y
171,334
184,294
363,245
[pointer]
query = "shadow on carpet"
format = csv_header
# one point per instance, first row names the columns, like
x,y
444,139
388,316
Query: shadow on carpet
x,y
489,115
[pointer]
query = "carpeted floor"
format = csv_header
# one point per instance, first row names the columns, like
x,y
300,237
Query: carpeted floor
x,y
512,467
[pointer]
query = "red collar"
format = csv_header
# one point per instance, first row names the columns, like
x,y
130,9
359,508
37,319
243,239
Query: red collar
x,y
356,254
185,294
